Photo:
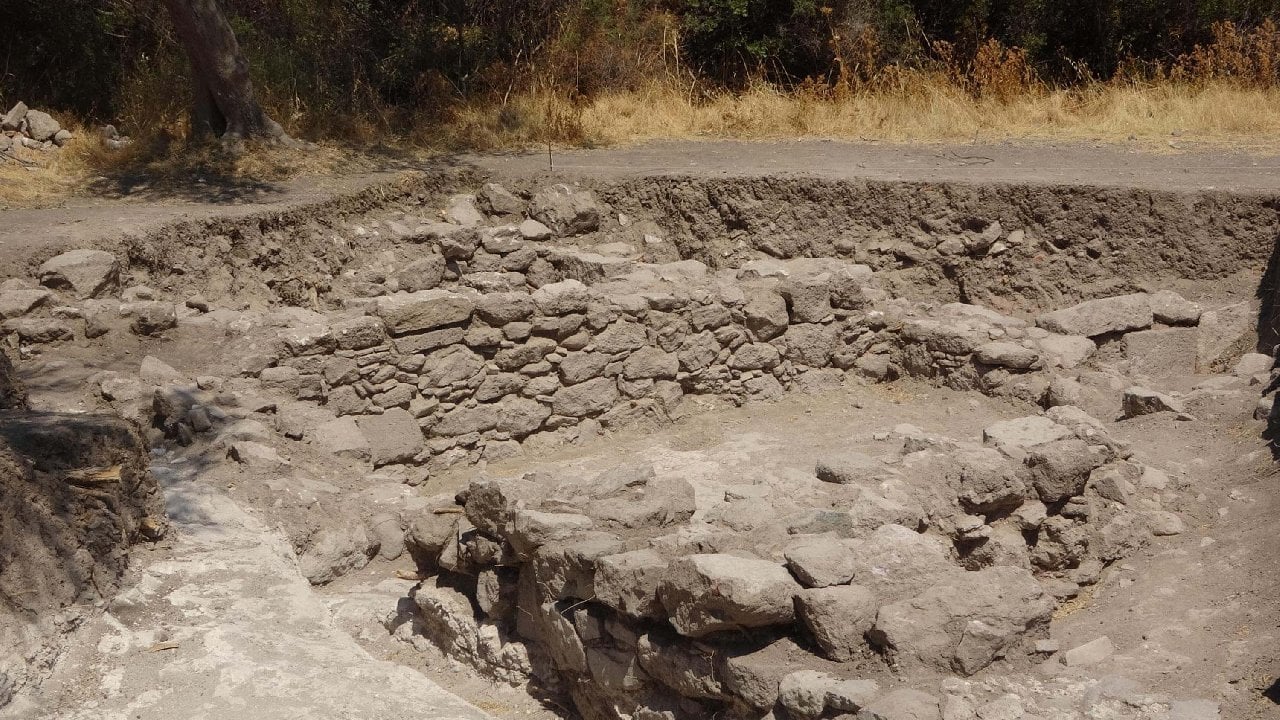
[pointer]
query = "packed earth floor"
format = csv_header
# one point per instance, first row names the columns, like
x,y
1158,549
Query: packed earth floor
x,y
489,441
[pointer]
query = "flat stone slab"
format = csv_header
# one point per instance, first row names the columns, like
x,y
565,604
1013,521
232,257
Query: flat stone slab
x,y
1022,433
1100,317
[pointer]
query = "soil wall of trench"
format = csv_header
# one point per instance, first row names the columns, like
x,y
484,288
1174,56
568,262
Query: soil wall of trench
x,y
1057,244
76,493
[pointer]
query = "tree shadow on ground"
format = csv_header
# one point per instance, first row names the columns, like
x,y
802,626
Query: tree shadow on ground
x,y
210,174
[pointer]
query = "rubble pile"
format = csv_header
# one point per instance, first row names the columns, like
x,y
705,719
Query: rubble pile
x,y
33,129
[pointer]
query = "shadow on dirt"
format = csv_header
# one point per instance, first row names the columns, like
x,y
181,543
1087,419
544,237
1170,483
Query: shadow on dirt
x,y
1268,295
208,174
1268,328
1272,693
75,491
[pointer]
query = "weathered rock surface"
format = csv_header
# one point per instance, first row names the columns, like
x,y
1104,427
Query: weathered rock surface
x,y
423,310
84,273
712,593
1100,317
1143,401
566,210
963,624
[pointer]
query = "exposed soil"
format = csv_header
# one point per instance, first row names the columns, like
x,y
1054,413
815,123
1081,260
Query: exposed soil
x,y
76,492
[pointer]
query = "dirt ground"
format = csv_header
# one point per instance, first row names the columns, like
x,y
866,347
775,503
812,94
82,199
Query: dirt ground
x,y
1183,167
1192,615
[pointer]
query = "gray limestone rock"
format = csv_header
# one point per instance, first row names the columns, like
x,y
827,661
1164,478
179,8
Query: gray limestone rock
x,y
710,593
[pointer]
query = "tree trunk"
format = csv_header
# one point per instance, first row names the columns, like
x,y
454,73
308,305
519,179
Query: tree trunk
x,y
224,102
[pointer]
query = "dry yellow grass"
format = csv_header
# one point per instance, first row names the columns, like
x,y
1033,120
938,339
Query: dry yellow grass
x,y
33,178
918,108
924,109
915,107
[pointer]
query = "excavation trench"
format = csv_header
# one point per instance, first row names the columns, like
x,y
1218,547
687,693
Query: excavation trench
x,y
381,373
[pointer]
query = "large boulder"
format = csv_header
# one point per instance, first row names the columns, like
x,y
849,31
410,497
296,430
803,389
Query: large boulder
x,y
1060,469
1100,317
562,298
1002,353
519,417
19,302
335,551
343,438
966,621
461,210
424,310
587,398
424,273
754,674
990,483
907,704
1066,351
1226,333
820,561
499,309
678,664
851,468
838,618
628,582
766,313
1167,352
12,119
627,496
84,273
809,694
454,364
567,210
1143,401
1014,437
1170,308
499,200
650,362
896,562
710,593
41,126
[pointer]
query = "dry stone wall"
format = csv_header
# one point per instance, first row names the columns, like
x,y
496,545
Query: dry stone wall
x,y
635,595
492,326
452,374
507,319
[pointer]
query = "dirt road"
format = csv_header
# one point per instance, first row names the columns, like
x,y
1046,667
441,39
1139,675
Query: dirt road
x,y
1040,163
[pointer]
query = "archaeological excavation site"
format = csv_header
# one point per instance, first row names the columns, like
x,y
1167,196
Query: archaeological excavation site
x,y
475,443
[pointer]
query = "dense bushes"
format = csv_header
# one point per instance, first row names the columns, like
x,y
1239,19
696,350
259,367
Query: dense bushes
x,y
324,64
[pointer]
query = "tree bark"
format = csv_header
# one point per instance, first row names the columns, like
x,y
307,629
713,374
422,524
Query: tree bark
x,y
224,105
